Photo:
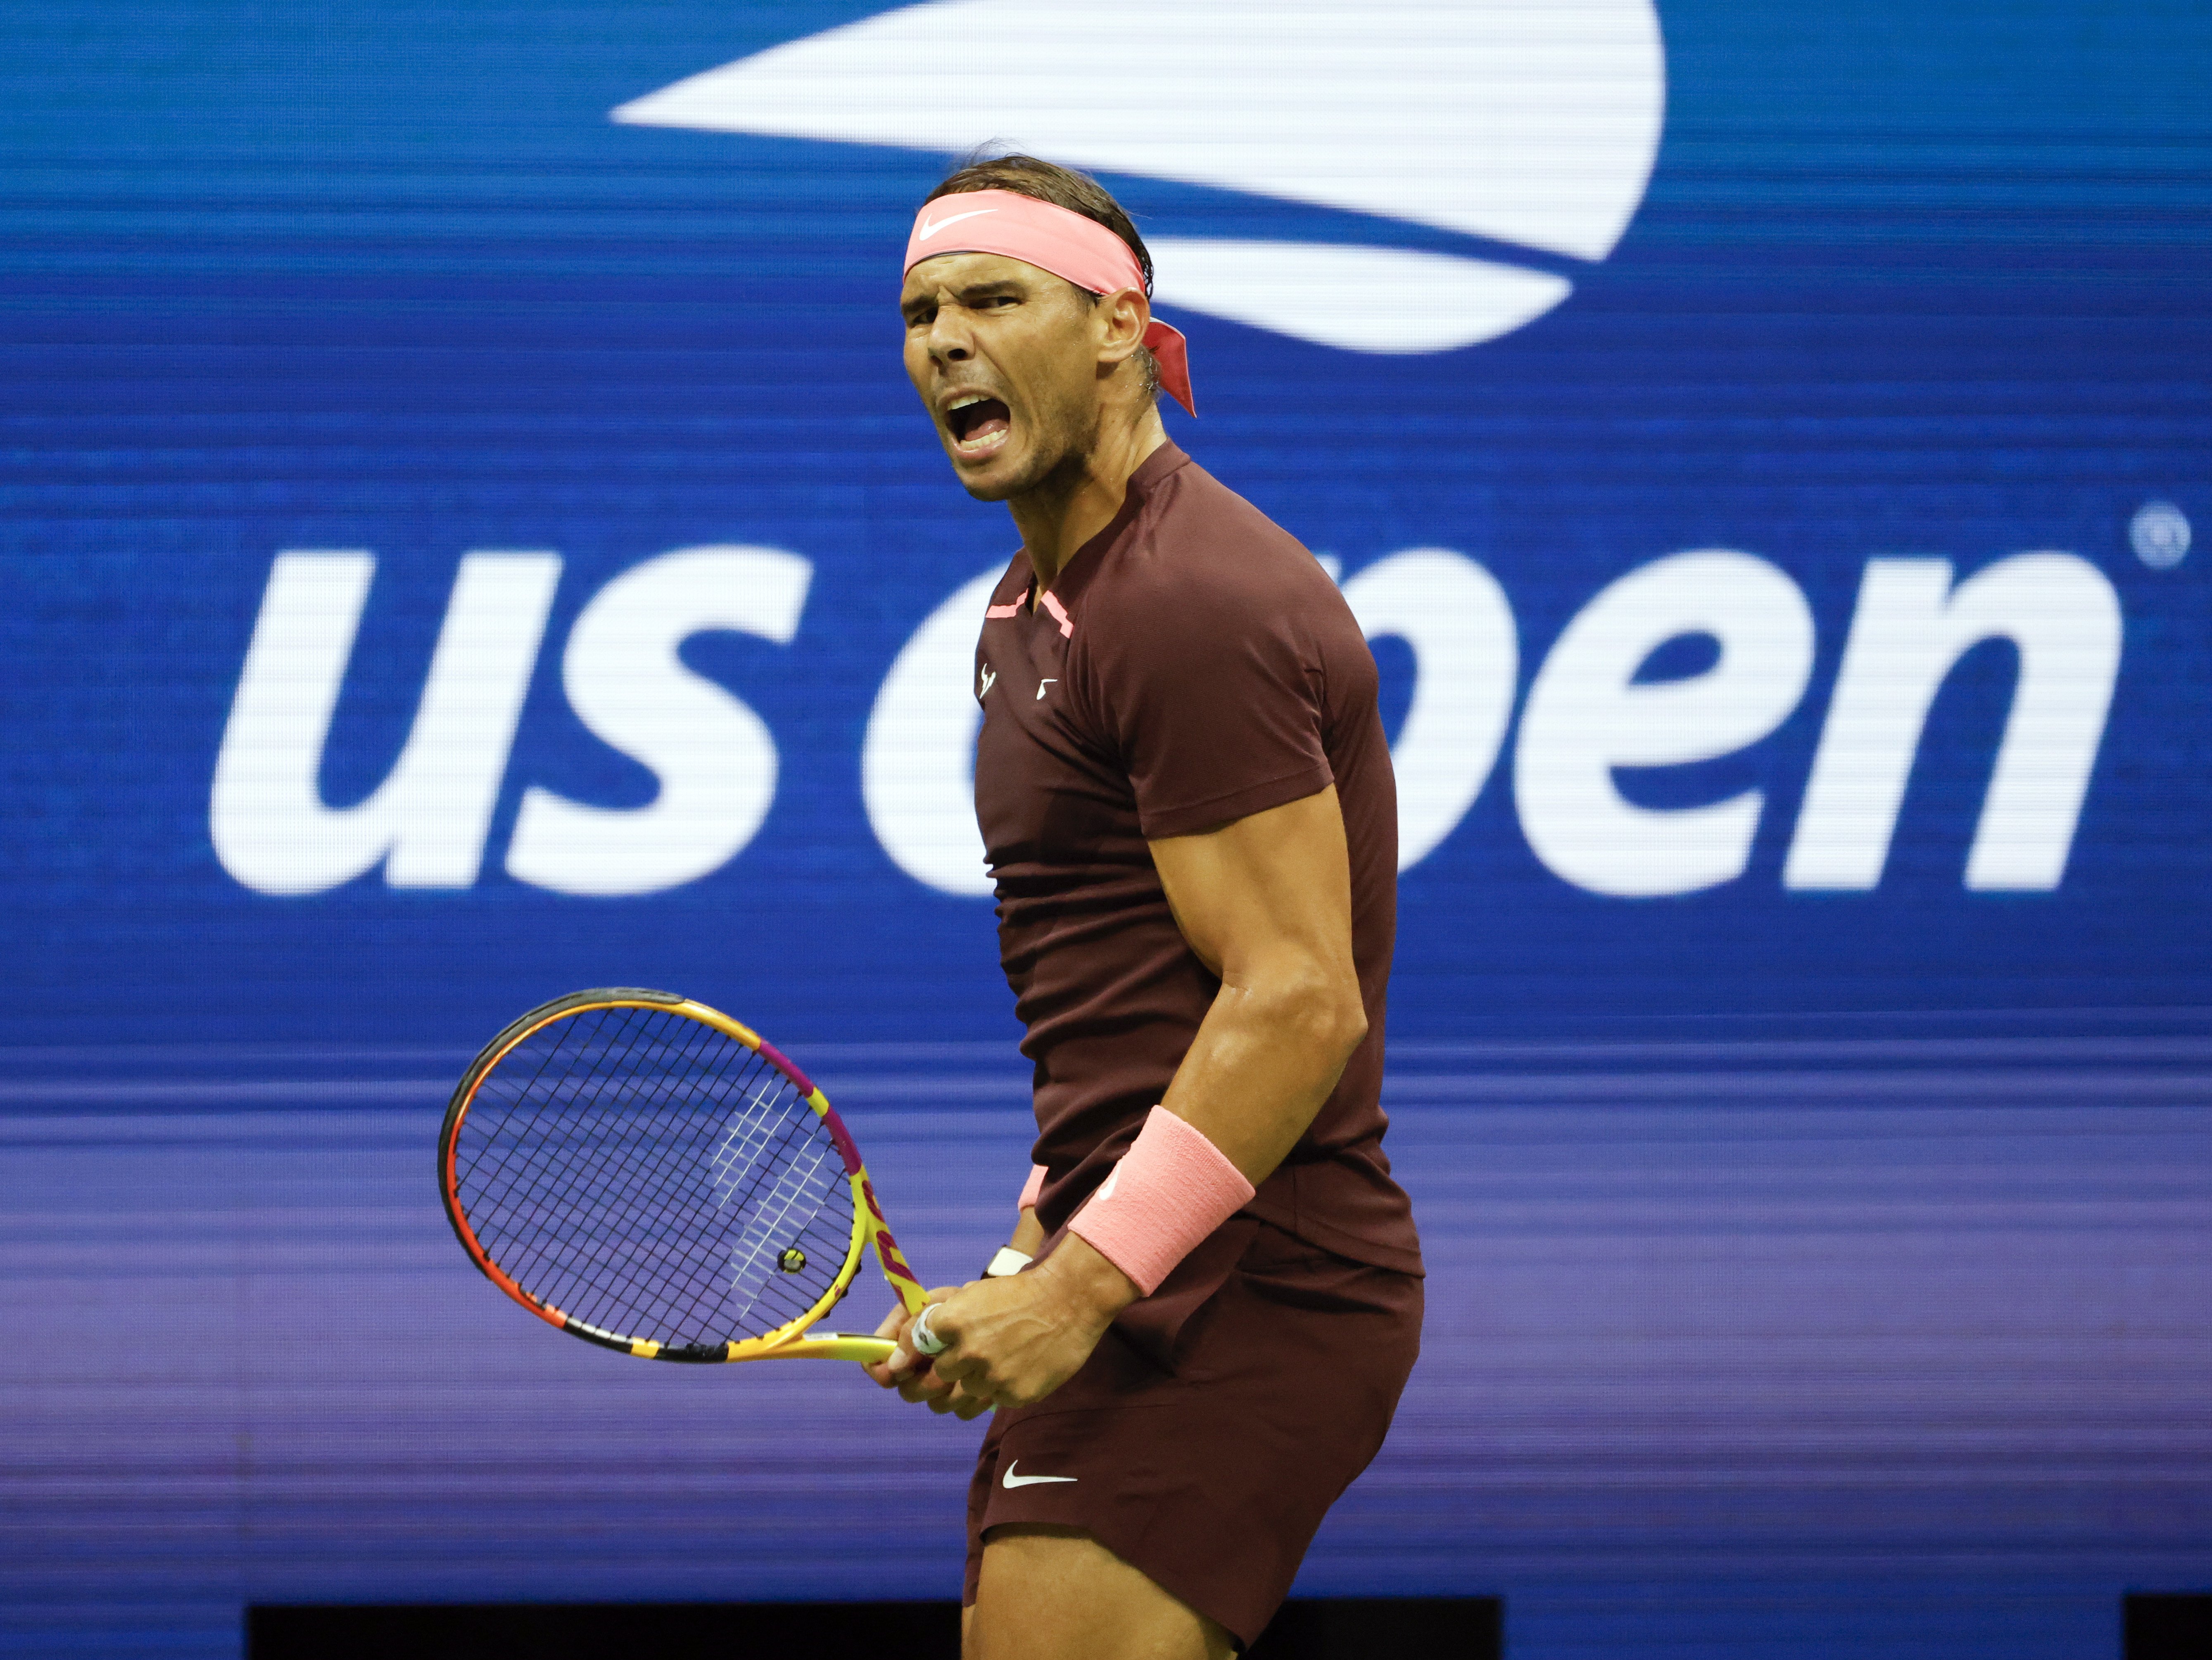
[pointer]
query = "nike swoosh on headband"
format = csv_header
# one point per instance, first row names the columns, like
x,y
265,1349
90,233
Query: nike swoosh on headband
x,y
929,228
1011,1480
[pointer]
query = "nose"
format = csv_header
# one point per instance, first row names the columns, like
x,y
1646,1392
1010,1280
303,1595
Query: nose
x,y
950,342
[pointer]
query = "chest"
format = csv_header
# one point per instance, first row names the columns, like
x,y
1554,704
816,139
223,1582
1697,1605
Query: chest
x,y
1048,785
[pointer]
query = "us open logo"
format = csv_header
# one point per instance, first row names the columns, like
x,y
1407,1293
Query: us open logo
x,y
1518,141
1524,134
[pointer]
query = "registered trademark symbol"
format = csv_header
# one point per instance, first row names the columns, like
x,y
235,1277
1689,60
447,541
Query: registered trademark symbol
x,y
2160,534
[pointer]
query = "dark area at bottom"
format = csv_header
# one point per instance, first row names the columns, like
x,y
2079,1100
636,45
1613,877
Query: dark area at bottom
x,y
1362,1628
2166,1625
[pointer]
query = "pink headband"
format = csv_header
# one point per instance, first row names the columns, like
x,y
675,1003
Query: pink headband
x,y
1052,239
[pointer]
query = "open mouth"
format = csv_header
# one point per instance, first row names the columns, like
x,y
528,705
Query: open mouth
x,y
978,424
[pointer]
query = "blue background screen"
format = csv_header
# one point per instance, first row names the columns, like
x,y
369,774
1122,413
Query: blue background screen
x,y
461,546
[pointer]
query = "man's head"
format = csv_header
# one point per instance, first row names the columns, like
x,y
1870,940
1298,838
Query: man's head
x,y
1021,370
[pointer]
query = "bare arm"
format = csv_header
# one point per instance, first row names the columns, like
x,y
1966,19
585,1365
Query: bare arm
x,y
1266,904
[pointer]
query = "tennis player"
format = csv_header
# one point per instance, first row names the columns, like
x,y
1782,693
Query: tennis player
x,y
1186,798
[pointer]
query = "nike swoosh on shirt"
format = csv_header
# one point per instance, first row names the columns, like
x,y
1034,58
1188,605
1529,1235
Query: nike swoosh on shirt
x,y
1011,1480
931,227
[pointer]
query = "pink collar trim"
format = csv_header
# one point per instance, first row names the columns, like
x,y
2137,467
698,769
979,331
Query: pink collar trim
x,y
1059,613
1048,598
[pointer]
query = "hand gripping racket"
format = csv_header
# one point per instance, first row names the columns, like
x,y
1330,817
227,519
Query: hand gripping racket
x,y
648,1174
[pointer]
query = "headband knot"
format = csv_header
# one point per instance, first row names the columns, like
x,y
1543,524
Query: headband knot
x,y
1052,239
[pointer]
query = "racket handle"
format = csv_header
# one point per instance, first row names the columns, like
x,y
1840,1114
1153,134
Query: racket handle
x,y
834,1346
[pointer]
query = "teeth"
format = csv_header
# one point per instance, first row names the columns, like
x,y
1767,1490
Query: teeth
x,y
963,403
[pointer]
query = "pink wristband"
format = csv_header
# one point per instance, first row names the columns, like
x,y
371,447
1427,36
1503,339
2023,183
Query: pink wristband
x,y
1171,1189
1032,1189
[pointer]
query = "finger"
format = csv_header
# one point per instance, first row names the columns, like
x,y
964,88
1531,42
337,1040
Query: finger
x,y
941,1399
885,1372
904,1362
970,1407
892,1325
977,1395
927,1335
961,1403
923,1386
967,1370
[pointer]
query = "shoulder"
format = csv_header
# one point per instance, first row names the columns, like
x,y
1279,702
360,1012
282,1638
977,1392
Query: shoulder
x,y
1201,557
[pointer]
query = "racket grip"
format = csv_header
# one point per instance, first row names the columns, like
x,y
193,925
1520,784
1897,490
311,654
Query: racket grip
x,y
836,1346
922,1336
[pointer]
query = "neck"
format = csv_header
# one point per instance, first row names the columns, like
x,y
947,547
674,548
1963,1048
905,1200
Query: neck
x,y
1079,498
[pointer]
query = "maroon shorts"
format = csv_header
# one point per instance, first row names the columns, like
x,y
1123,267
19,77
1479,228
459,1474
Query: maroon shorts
x,y
1216,1422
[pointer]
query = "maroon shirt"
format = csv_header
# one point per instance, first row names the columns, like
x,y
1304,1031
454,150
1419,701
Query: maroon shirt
x,y
1194,665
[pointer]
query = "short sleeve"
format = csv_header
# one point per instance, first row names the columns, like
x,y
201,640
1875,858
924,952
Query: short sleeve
x,y
1214,698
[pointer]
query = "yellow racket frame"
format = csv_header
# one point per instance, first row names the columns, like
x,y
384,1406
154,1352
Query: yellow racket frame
x,y
792,1341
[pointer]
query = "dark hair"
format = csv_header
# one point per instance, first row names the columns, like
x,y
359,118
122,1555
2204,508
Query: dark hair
x,y
1064,187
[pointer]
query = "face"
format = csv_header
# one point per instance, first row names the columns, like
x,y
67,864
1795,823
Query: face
x,y
1007,358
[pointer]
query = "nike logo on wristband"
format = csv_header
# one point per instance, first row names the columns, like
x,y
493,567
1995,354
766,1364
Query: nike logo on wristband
x,y
1011,1480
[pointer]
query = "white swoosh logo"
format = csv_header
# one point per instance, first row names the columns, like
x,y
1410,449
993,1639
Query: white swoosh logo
x,y
931,227
1533,127
1011,1480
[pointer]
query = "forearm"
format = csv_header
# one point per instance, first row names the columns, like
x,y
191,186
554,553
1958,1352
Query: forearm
x,y
1264,1062
1265,1059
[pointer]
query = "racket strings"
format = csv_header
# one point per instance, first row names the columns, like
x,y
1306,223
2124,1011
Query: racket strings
x,y
547,1158
585,1292
561,1097
771,1090
795,1190
652,1177
656,1227
672,1265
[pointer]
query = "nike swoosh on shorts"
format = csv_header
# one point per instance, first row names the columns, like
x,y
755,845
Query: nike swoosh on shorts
x,y
1011,1480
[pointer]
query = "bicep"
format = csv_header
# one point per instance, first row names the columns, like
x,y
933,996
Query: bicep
x,y
1269,888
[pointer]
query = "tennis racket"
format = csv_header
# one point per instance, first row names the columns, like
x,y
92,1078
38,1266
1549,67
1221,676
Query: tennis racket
x,y
648,1174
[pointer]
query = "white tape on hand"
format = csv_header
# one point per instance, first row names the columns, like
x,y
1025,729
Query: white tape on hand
x,y
925,1340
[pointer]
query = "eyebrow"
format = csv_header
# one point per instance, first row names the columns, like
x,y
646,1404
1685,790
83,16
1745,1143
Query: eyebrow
x,y
972,291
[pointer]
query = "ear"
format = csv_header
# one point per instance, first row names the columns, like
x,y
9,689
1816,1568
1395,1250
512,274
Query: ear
x,y
1120,319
